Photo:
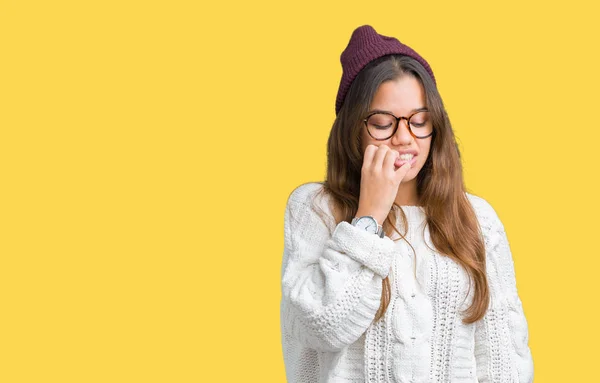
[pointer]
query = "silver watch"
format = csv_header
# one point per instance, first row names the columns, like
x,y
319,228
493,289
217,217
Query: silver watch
x,y
369,224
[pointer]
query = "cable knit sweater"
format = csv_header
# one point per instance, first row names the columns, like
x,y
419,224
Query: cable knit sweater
x,y
331,289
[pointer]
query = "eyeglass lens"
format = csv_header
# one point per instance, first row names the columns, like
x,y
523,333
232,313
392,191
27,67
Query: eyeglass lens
x,y
381,125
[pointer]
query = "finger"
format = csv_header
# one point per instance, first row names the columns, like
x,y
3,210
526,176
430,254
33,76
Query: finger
x,y
401,171
369,154
379,156
390,158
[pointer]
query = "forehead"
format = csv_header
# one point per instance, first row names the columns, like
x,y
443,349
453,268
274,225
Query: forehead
x,y
399,96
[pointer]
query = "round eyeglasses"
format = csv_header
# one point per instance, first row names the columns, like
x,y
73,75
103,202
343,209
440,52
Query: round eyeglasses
x,y
383,125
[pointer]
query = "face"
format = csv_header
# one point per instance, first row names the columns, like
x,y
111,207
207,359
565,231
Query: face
x,y
401,97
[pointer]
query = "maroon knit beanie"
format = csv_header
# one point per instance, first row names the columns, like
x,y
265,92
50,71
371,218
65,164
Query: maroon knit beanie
x,y
365,46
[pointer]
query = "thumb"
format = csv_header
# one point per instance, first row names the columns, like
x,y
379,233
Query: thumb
x,y
401,171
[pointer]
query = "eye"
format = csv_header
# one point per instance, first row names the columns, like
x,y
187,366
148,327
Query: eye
x,y
419,120
380,121
382,127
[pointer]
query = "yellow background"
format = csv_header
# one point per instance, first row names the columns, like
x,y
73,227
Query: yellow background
x,y
148,148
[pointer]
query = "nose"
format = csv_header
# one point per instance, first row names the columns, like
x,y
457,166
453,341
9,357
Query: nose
x,y
402,136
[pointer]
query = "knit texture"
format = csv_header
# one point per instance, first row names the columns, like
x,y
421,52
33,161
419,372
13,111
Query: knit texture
x,y
331,288
366,45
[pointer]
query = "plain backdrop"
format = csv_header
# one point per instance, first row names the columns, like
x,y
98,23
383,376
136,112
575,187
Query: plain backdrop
x,y
147,150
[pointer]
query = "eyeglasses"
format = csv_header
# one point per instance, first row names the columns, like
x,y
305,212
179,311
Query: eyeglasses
x,y
383,125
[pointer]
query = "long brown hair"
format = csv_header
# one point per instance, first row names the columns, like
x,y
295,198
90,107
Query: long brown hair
x,y
453,225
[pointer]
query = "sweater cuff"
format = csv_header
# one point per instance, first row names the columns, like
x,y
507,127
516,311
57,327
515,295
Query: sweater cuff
x,y
367,248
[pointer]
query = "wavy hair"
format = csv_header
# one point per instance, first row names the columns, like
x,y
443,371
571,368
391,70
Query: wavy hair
x,y
453,225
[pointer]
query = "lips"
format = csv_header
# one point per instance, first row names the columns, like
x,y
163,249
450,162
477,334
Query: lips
x,y
399,161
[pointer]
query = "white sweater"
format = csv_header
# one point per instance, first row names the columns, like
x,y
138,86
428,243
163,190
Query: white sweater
x,y
331,289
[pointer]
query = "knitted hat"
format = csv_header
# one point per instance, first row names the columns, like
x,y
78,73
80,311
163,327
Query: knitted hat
x,y
365,46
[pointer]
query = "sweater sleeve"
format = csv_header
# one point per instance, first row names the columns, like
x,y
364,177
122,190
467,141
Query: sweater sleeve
x,y
501,337
331,282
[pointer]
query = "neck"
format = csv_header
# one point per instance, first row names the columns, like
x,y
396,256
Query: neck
x,y
407,193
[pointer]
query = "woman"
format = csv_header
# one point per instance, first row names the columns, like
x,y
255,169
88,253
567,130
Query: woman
x,y
391,271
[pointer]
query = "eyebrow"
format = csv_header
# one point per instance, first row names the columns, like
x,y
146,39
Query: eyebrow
x,y
421,109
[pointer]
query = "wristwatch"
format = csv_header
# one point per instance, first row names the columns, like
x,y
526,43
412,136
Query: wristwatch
x,y
369,224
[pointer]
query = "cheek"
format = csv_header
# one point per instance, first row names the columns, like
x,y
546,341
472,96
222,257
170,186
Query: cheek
x,y
423,157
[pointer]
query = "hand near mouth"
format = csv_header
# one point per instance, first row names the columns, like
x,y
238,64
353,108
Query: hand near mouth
x,y
381,175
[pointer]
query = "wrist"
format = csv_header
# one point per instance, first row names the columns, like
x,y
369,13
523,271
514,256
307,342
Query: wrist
x,y
378,218
368,223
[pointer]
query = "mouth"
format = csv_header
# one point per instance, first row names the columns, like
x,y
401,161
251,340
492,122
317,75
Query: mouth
x,y
404,158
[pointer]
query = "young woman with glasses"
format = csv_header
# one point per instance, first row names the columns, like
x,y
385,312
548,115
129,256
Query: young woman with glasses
x,y
391,271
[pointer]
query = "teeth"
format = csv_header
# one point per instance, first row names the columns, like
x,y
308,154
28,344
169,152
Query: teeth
x,y
406,157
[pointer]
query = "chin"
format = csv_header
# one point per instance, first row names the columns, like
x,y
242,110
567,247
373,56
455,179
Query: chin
x,y
411,175
409,178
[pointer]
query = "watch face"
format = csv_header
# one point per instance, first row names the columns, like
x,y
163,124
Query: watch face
x,y
367,223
